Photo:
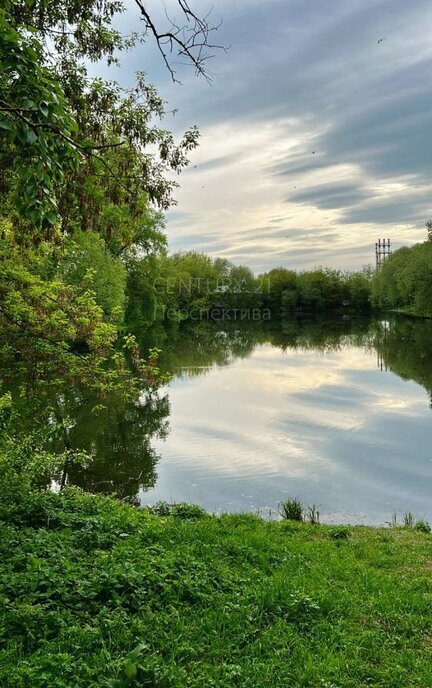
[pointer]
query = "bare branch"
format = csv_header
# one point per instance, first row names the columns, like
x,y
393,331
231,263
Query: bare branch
x,y
190,41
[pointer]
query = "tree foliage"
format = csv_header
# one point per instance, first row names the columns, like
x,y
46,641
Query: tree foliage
x,y
405,280
85,166
36,127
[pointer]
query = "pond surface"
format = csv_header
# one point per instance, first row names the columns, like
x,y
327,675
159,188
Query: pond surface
x,y
334,412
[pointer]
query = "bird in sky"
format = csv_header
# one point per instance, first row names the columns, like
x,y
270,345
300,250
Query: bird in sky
x,y
380,40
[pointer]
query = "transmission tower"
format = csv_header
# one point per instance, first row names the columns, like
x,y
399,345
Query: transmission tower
x,y
382,252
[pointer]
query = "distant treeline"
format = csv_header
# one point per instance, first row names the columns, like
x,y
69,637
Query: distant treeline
x,y
194,285
142,290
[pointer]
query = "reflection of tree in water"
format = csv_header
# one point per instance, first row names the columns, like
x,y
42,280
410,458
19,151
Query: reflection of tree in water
x,y
406,347
195,348
118,435
319,334
120,441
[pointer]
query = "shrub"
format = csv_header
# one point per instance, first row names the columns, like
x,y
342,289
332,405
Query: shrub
x,y
422,526
180,510
161,508
185,510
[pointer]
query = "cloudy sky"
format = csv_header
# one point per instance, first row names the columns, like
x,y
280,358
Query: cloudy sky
x,y
316,137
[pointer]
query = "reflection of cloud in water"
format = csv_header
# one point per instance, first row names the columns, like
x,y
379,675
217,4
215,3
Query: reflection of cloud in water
x,y
329,428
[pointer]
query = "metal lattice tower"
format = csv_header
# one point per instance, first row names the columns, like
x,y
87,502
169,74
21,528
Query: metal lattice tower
x,y
382,252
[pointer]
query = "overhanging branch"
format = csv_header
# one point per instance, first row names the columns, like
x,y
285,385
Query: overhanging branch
x,y
191,41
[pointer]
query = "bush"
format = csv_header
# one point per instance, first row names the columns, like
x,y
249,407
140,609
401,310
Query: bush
x,y
180,510
185,510
422,526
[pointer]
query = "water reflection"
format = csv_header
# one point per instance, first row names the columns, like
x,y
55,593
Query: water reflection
x,y
117,435
259,411
306,413
405,346
120,440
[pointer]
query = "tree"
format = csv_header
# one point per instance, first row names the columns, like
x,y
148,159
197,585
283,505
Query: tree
x,y
85,169
56,119
405,280
242,289
33,110
274,284
79,155
87,259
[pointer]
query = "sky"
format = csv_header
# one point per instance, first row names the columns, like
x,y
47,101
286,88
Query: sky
x,y
315,134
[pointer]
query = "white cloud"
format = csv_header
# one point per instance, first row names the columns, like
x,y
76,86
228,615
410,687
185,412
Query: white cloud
x,y
303,77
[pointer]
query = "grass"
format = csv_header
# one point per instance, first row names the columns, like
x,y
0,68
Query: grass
x,y
291,509
95,593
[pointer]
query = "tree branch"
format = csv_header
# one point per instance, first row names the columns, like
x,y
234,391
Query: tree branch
x,y
85,149
191,41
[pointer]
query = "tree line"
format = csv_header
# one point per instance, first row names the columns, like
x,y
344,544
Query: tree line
x,y
193,285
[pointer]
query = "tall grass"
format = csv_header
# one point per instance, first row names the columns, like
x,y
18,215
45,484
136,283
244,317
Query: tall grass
x,y
291,510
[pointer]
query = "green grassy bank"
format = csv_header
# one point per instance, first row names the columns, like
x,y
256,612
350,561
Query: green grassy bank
x,y
94,593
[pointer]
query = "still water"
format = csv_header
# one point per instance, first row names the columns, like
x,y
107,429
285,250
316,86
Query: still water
x,y
335,412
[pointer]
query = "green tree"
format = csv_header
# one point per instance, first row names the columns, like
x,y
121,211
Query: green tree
x,y
87,256
429,229
276,286
242,289
405,280
79,154
55,119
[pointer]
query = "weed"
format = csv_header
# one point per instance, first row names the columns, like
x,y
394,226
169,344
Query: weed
x,y
180,510
185,510
291,510
393,523
313,515
339,533
408,520
161,508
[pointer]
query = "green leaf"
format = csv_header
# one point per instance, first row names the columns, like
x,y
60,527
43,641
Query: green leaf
x,y
43,107
30,136
51,218
6,124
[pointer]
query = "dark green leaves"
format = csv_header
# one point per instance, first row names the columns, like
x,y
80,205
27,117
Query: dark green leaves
x,y
36,124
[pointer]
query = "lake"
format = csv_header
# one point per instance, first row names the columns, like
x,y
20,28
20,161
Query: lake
x,y
334,411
